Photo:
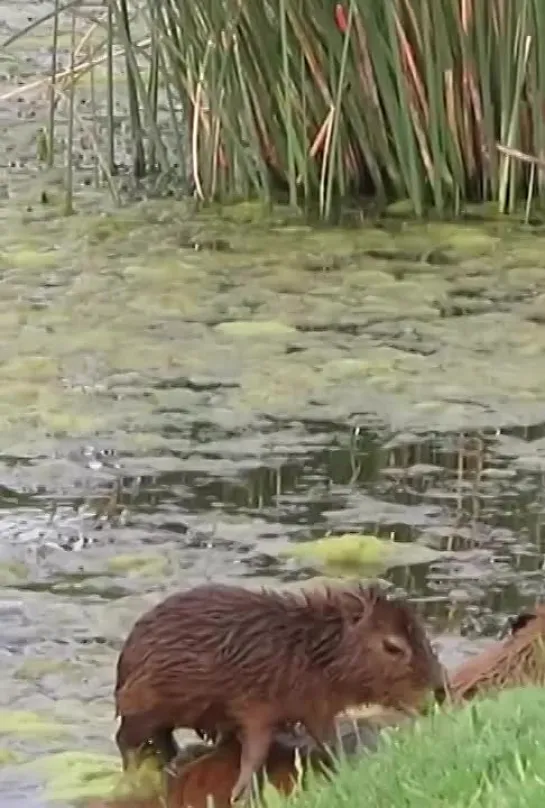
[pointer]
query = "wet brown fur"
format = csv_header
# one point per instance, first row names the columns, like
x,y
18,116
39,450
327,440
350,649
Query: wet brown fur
x,y
227,658
517,660
128,802
215,771
201,771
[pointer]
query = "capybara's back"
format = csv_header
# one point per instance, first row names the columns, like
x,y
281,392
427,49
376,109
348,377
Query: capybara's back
x,y
517,660
222,654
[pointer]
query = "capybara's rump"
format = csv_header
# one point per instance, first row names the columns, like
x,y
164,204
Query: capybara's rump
x,y
516,660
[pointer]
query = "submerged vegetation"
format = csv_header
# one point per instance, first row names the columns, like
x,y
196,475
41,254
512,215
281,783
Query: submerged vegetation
x,y
435,102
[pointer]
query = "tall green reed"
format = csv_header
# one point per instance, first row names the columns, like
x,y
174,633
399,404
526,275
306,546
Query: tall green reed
x,y
437,102
409,100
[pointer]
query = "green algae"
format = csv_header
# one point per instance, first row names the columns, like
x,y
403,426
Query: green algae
x,y
255,328
71,776
382,365
35,668
8,757
355,553
138,565
246,212
22,723
129,299
12,573
463,239
26,259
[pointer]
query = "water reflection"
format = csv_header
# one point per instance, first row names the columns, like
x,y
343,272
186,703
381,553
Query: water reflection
x,y
463,493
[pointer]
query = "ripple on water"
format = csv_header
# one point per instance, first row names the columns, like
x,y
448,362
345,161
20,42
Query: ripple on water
x,y
19,789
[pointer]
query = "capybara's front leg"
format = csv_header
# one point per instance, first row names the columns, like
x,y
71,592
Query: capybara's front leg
x,y
165,745
134,738
322,730
129,741
216,736
255,742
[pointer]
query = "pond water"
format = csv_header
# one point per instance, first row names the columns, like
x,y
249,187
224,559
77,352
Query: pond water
x,y
172,414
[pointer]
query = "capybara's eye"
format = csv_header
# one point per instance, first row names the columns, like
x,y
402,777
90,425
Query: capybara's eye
x,y
394,646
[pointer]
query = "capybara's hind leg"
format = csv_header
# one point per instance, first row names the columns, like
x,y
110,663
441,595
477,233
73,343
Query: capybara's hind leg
x,y
255,743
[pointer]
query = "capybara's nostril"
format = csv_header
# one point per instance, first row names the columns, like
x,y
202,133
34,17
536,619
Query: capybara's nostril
x,y
440,694
440,682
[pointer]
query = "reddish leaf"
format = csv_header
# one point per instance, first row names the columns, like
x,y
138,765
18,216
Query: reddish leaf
x,y
341,20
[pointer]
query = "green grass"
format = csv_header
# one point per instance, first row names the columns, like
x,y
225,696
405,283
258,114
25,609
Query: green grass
x,y
489,755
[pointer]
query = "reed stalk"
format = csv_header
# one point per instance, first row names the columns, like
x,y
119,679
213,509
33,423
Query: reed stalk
x,y
428,101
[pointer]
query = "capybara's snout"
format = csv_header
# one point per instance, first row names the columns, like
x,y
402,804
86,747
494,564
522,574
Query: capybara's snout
x,y
440,681
434,684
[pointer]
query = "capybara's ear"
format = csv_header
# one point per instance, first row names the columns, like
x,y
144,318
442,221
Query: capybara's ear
x,y
374,595
376,591
517,622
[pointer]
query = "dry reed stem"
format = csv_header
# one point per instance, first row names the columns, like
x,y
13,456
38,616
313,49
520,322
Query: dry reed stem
x,y
516,154
80,68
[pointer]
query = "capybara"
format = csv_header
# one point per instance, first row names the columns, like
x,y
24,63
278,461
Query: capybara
x,y
519,659
213,773
201,775
252,661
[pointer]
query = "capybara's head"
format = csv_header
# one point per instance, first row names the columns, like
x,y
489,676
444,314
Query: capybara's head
x,y
518,659
388,655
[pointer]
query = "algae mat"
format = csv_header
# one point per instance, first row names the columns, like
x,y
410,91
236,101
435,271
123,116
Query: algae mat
x,y
107,322
151,357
